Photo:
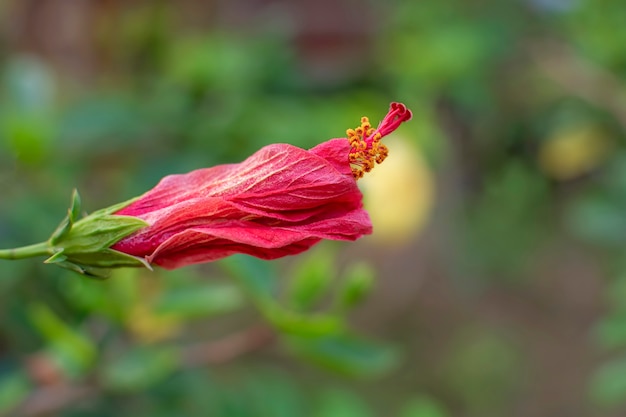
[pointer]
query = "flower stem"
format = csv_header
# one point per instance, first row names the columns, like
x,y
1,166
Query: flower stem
x,y
38,249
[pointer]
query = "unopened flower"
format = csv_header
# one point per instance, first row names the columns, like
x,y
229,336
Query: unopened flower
x,y
280,201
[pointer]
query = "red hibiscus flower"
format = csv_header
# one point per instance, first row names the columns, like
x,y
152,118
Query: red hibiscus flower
x,y
280,201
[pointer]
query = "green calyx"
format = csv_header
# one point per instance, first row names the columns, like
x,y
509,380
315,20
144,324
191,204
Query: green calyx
x,y
83,244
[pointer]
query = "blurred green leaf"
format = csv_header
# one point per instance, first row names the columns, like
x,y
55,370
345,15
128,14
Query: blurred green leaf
x,y
74,352
261,282
345,354
290,322
256,276
596,30
139,368
611,331
341,403
358,283
311,279
608,385
113,299
14,388
29,135
199,301
597,215
423,406
219,62
269,392
598,220
446,55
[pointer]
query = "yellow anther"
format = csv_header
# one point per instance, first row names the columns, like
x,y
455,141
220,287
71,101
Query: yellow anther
x,y
366,149
357,173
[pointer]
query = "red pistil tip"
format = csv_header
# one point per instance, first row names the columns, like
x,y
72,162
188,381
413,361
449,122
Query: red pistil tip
x,y
366,149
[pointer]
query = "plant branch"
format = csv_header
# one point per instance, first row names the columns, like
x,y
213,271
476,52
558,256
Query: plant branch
x,y
30,251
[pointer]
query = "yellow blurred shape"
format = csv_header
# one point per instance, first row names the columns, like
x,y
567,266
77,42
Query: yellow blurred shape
x,y
399,193
149,327
573,151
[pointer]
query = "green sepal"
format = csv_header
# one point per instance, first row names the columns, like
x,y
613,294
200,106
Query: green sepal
x,y
75,207
97,232
114,208
73,214
109,258
56,258
90,271
59,259
83,244
96,264
63,228
86,247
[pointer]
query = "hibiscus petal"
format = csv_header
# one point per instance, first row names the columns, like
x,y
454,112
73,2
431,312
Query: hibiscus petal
x,y
279,201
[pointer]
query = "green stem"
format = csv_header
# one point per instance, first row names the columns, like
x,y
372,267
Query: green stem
x,y
38,249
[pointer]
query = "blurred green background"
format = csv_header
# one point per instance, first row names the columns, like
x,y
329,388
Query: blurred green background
x,y
494,283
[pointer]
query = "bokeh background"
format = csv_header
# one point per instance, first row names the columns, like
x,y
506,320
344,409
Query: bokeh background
x,y
495,281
